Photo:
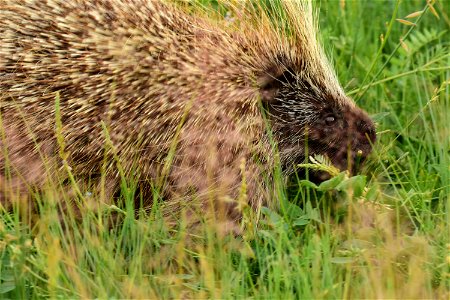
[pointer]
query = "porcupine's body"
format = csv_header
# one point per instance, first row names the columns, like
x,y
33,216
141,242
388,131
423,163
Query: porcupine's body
x,y
156,79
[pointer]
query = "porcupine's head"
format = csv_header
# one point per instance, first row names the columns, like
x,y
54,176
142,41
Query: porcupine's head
x,y
307,120
309,112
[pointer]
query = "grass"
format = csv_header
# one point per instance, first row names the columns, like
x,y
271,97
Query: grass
x,y
384,234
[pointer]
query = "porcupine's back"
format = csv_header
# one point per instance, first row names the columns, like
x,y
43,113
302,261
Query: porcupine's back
x,y
137,66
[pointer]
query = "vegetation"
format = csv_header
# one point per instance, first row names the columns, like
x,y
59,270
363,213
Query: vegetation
x,y
384,234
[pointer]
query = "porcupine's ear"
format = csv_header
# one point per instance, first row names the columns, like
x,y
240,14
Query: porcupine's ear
x,y
272,80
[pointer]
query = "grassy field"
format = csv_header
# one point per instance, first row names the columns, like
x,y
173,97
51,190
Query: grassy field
x,y
384,234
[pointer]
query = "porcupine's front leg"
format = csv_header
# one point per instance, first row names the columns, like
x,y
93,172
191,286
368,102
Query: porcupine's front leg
x,y
214,175
24,161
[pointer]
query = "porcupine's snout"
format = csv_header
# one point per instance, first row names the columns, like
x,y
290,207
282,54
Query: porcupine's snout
x,y
357,140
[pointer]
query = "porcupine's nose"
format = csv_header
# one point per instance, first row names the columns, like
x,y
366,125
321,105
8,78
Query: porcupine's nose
x,y
366,135
363,141
361,137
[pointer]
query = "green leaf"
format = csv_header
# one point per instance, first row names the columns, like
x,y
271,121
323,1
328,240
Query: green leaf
x,y
273,216
330,184
307,183
302,221
292,210
355,183
7,286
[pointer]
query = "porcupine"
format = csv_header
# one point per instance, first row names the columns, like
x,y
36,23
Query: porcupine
x,y
149,79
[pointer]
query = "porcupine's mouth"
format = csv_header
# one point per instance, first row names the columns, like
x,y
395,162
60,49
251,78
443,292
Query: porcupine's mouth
x,y
353,168
345,160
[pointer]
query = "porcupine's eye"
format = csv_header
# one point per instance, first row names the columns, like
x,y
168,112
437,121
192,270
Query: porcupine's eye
x,y
330,120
